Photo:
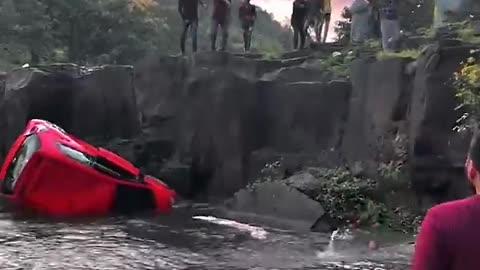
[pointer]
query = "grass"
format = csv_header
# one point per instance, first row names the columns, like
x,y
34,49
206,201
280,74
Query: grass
x,y
426,32
469,35
409,53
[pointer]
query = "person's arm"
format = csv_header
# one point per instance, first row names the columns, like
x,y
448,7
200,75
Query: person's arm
x,y
431,253
180,7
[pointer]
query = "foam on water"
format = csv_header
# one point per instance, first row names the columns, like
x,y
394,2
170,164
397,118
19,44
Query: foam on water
x,y
255,232
330,251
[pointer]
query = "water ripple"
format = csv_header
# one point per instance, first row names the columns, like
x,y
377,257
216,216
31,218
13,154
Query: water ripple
x,y
181,242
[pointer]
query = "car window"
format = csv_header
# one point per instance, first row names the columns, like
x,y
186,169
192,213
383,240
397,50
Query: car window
x,y
29,146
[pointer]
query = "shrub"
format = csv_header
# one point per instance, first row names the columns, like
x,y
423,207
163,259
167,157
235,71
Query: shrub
x,y
467,84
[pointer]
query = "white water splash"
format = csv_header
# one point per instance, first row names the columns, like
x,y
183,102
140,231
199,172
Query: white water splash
x,y
255,232
329,252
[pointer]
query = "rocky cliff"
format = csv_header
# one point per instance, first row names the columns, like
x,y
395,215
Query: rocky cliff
x,y
209,123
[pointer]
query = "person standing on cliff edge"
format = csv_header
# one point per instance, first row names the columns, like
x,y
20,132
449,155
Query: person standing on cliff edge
x,y
450,234
188,10
359,11
247,13
221,17
299,23
390,25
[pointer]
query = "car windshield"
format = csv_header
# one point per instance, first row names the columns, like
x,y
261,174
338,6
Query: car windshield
x,y
23,156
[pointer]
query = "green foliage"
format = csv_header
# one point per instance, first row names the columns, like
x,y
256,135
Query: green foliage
x,y
467,84
354,200
338,64
345,197
464,31
409,53
428,32
469,35
111,31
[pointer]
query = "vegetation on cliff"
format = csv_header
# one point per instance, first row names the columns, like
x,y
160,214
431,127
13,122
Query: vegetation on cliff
x,y
467,84
109,31
354,200
358,201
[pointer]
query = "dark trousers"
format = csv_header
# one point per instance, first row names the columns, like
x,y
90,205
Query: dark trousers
x,y
299,34
224,25
247,35
191,25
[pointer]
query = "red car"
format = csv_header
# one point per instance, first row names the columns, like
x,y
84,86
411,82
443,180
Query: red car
x,y
52,172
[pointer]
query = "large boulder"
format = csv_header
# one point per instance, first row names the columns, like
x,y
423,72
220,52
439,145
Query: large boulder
x,y
277,202
84,101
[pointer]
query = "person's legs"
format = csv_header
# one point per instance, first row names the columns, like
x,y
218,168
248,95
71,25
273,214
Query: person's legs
x,y
213,37
183,37
395,39
225,29
249,37
327,26
390,34
296,34
318,29
245,35
303,34
193,29
384,28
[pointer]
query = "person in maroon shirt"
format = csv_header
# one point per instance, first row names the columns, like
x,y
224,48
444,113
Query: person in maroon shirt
x,y
450,234
221,17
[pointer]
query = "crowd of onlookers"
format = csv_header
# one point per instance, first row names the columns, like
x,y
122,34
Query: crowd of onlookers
x,y
221,18
374,18
369,19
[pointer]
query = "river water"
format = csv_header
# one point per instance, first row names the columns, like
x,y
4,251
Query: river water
x,y
191,238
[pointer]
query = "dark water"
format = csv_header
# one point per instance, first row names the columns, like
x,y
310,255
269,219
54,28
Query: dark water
x,y
181,242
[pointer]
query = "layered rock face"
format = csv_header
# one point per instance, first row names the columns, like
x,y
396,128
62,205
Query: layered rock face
x,y
213,111
209,123
95,102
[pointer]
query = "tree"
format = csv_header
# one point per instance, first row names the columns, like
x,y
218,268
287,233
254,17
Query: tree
x,y
342,28
25,23
111,31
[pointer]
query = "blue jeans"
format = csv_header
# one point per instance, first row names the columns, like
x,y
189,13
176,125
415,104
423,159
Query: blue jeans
x,y
224,25
390,34
191,25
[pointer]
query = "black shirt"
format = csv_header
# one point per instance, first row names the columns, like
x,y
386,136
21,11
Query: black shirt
x,y
300,10
188,9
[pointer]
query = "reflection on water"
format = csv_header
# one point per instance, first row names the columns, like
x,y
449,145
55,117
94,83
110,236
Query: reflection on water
x,y
183,242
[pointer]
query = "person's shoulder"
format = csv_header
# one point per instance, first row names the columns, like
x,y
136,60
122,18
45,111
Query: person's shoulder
x,y
446,209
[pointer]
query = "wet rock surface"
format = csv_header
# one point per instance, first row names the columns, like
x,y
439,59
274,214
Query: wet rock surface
x,y
279,201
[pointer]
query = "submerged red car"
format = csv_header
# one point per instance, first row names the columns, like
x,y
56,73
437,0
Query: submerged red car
x,y
52,172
